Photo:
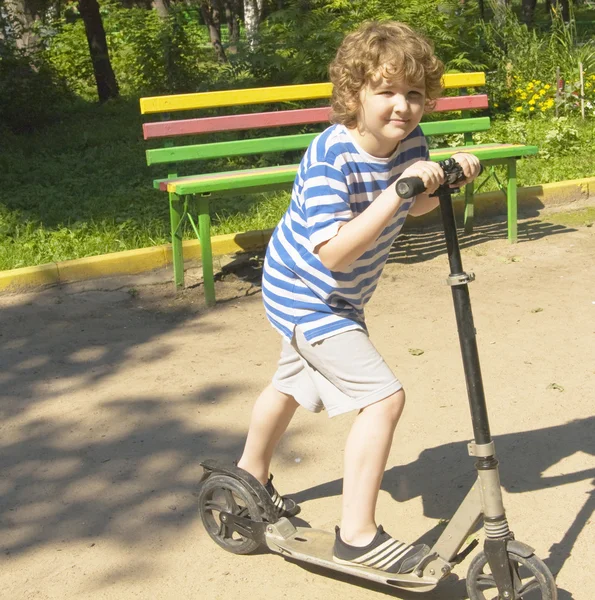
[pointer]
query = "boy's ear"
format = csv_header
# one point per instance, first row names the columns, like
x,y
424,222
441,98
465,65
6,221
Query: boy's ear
x,y
430,106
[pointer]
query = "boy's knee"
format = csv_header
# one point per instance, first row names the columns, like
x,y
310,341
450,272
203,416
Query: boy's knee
x,y
391,407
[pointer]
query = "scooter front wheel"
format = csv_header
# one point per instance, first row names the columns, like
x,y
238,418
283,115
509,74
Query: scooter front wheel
x,y
531,577
221,493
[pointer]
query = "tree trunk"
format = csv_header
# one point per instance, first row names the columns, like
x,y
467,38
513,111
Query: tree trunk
x,y
528,11
252,17
500,11
161,7
211,14
232,17
561,6
107,86
23,15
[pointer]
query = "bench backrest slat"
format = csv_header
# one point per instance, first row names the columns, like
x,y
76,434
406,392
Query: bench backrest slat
x,y
287,93
237,122
280,118
287,142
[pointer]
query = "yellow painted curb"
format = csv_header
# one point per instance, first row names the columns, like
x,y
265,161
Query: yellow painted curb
x,y
131,262
128,262
28,277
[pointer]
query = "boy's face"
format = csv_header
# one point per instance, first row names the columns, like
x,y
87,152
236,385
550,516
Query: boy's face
x,y
389,111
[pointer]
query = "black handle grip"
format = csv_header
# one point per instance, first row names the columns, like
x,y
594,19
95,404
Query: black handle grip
x,y
410,186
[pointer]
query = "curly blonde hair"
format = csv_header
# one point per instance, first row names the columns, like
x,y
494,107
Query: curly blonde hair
x,y
381,49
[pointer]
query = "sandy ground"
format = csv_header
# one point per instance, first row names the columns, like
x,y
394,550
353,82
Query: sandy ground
x,y
111,397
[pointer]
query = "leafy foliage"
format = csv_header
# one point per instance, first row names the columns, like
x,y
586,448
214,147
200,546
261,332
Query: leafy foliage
x,y
295,54
524,63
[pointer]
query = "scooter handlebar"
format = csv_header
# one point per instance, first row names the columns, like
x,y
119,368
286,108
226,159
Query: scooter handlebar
x,y
412,186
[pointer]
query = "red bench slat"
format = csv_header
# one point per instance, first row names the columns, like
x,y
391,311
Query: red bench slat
x,y
279,118
461,103
237,122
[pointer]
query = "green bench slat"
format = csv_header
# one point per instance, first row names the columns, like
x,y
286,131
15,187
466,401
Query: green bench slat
x,y
289,142
456,126
487,151
274,176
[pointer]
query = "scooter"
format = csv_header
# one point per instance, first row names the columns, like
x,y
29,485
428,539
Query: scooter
x,y
238,514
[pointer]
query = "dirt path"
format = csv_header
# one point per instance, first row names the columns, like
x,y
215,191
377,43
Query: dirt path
x,y
111,398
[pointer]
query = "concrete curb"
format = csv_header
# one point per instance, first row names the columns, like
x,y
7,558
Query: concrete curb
x,y
130,262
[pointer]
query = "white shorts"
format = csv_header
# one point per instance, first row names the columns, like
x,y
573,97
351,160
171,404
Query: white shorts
x,y
341,373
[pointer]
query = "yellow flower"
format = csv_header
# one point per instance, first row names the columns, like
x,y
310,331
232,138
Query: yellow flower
x,y
538,82
495,104
542,92
532,108
531,102
523,96
519,108
547,86
543,109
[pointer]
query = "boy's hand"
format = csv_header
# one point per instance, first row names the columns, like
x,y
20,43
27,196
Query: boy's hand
x,y
471,167
430,173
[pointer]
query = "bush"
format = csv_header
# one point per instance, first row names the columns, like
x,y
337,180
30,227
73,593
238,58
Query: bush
x,y
297,54
31,93
149,55
524,63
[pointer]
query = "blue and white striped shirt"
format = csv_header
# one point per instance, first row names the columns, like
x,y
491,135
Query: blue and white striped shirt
x,y
336,181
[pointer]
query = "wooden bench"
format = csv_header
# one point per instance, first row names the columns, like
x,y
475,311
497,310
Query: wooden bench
x,y
192,195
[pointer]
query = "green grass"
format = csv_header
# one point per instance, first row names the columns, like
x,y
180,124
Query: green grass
x,y
81,187
583,217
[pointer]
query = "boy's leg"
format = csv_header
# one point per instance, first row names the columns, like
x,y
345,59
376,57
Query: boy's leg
x,y
366,454
271,415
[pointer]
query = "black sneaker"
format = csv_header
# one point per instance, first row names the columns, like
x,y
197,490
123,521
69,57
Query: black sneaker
x,y
383,553
284,507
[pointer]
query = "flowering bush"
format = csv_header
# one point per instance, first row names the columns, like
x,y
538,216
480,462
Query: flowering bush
x,y
536,96
561,139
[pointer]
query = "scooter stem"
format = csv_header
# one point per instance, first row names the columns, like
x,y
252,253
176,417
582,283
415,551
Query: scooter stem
x,y
460,293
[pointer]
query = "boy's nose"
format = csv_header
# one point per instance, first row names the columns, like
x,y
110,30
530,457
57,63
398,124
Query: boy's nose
x,y
400,104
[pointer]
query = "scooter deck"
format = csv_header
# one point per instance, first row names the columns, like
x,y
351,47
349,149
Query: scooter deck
x,y
315,546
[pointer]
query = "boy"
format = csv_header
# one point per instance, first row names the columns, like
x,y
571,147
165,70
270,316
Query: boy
x,y
324,261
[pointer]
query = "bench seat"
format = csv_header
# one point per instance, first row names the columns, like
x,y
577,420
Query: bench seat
x,y
269,178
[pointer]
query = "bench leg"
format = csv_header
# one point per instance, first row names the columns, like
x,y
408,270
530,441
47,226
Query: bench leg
x,y
204,228
511,198
469,208
176,212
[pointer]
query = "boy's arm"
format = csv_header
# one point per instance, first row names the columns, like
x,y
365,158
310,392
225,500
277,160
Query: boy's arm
x,y
356,236
424,203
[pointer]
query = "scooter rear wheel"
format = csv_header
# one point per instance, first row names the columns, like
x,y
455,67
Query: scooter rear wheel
x,y
532,579
221,493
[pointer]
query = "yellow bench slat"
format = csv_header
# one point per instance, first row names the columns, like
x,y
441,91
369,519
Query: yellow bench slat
x,y
461,80
309,91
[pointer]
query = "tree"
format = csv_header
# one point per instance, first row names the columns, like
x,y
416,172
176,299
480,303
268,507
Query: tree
x,y
161,7
107,86
211,13
232,17
252,18
528,11
23,16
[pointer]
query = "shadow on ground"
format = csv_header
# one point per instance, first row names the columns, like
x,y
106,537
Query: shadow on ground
x,y
412,246
442,476
131,470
